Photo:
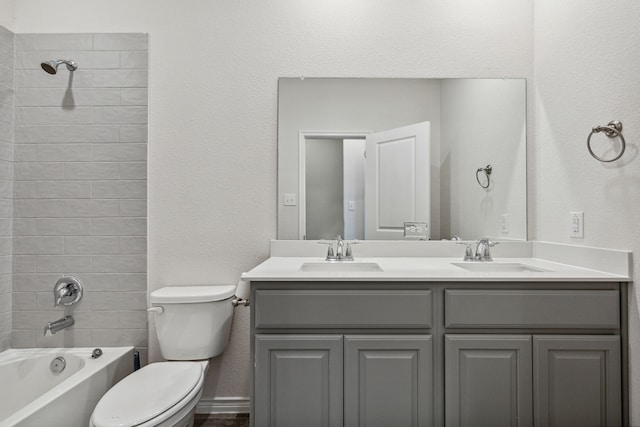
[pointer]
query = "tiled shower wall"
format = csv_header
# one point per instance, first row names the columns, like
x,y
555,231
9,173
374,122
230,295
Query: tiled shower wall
x,y
6,158
80,189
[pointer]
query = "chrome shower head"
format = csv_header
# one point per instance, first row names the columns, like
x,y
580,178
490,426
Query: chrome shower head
x,y
51,67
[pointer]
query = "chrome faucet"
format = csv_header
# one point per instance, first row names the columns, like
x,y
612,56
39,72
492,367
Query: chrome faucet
x,y
483,249
58,325
343,250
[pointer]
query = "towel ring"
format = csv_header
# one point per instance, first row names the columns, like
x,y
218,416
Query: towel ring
x,y
612,130
487,171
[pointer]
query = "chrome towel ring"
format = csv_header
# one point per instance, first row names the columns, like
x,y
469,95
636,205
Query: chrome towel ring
x,y
612,130
487,172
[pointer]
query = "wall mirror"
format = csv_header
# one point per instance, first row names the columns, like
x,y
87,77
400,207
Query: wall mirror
x,y
365,158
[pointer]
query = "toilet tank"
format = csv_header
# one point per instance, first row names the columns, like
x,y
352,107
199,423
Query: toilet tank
x,y
194,322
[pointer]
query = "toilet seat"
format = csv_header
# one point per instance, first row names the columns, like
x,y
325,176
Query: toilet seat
x,y
150,395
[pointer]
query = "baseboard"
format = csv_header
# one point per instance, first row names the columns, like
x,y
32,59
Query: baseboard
x,y
224,405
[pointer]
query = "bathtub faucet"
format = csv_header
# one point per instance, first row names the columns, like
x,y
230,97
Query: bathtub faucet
x,y
58,325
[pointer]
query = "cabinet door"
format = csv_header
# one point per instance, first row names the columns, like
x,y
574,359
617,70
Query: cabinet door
x,y
388,380
488,381
298,380
577,381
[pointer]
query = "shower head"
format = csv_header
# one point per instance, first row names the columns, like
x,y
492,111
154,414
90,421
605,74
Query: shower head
x,y
51,67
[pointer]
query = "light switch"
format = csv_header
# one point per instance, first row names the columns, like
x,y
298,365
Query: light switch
x,y
289,199
351,205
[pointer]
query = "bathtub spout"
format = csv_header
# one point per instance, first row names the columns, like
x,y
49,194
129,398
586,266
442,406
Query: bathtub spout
x,y
58,325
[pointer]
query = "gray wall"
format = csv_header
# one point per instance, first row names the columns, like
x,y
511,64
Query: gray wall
x,y
80,188
324,189
6,156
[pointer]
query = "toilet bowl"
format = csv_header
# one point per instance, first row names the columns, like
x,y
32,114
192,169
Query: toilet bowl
x,y
193,324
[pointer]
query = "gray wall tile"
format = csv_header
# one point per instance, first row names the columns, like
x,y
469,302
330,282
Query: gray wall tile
x,y
63,190
120,115
35,208
26,42
133,245
92,134
133,170
120,189
39,134
91,171
67,116
134,96
79,187
65,41
134,59
24,189
119,226
24,227
133,208
25,152
38,245
92,208
133,134
33,171
63,226
91,245
119,152
65,152
119,78
124,41
63,263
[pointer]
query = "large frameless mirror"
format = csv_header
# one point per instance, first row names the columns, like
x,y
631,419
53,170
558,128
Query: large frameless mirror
x,y
374,158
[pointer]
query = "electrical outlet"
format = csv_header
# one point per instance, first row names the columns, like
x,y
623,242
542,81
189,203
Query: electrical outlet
x,y
576,224
416,229
289,199
504,223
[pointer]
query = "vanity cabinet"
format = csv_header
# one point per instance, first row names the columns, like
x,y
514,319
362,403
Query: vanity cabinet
x,y
348,353
524,381
335,380
546,378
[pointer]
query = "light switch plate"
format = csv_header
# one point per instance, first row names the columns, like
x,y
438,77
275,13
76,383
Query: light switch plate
x,y
289,199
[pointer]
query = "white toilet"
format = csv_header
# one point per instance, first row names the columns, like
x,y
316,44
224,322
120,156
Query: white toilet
x,y
193,324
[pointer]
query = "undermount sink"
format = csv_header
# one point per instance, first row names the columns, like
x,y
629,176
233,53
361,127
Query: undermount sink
x,y
498,267
341,267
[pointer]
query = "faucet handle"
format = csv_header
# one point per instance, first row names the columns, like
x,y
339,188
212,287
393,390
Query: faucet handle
x,y
330,254
468,252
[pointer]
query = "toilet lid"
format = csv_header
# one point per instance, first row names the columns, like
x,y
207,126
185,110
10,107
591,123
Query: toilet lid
x,y
146,393
191,294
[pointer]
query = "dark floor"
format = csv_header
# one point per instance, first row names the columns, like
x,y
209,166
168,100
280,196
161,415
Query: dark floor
x,y
221,420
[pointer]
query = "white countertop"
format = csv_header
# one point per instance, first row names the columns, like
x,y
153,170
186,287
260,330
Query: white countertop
x,y
441,269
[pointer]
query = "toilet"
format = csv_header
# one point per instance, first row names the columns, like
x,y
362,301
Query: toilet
x,y
193,324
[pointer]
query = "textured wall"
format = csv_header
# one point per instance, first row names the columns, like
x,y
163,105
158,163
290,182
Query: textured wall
x,y
213,106
80,188
7,111
586,66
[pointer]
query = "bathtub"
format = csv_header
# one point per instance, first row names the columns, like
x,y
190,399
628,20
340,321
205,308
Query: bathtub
x,y
34,396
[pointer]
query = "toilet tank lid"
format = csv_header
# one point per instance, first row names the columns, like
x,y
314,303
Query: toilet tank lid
x,y
192,294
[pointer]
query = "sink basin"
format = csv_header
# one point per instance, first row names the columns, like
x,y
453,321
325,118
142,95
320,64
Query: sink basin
x,y
498,267
340,267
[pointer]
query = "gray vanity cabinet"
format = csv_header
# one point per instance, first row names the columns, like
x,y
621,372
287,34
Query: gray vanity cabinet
x,y
494,354
488,381
577,381
298,380
564,369
388,380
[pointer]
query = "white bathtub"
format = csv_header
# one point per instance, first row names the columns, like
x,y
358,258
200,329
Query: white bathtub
x,y
33,396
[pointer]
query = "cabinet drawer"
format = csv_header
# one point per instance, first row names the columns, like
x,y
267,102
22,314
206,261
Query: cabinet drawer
x,y
343,308
586,309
